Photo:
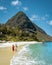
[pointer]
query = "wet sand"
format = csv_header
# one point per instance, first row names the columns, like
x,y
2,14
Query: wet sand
x,y
6,54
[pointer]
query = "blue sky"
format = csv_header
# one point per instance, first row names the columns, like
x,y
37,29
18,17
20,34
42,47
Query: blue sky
x,y
39,11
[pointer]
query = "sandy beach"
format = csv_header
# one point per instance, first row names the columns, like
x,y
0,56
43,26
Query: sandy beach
x,y
6,54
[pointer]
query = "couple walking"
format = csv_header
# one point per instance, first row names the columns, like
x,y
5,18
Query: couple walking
x,y
14,47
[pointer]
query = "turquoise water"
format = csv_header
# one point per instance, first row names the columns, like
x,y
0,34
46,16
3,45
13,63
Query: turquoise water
x,y
34,54
42,52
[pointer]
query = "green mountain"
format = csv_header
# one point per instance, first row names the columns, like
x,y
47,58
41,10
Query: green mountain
x,y
23,29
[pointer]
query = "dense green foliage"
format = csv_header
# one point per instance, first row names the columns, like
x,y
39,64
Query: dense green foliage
x,y
8,33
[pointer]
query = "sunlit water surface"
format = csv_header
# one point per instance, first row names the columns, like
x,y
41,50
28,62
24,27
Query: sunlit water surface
x,y
34,54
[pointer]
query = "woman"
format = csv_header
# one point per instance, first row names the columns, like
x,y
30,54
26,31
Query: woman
x,y
13,47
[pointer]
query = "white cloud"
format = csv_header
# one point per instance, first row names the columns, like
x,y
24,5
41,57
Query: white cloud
x,y
45,17
25,8
16,2
2,8
35,17
50,22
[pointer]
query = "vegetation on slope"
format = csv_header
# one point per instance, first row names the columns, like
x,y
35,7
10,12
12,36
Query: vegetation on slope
x,y
8,33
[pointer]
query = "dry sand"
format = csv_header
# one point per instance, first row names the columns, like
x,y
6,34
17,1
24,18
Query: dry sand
x,y
6,54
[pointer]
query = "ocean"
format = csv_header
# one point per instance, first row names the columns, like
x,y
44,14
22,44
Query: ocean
x,y
34,54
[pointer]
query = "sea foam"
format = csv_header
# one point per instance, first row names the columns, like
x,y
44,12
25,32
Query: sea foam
x,y
23,58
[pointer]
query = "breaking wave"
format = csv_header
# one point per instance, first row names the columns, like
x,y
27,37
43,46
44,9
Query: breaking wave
x,y
24,58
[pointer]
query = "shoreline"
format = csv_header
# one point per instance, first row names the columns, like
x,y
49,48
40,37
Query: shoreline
x,y
6,53
9,44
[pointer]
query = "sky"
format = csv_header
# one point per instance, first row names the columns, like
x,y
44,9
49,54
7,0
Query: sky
x,y
38,11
